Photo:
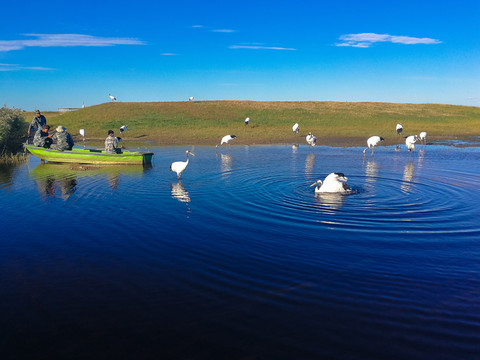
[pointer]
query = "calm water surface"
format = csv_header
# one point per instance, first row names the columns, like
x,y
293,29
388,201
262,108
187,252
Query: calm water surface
x,y
240,260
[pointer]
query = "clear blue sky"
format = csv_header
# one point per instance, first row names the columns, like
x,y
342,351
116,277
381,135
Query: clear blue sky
x,y
62,53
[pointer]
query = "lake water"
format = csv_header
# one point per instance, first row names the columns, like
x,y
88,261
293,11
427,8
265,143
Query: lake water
x,y
240,260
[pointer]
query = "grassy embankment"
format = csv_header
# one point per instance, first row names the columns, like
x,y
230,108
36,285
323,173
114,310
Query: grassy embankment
x,y
205,122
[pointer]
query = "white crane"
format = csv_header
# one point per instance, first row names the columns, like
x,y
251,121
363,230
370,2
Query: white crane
x,y
113,98
123,128
190,98
247,121
180,166
311,139
372,142
410,142
399,129
423,137
295,128
226,140
333,183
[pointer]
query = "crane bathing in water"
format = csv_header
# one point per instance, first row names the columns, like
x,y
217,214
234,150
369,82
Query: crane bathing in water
x,y
226,140
180,166
333,183
113,98
311,139
410,142
295,128
372,142
399,129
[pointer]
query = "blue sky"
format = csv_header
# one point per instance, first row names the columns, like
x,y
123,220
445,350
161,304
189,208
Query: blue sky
x,y
63,54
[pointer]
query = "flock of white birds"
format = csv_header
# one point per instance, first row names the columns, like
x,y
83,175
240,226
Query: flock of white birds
x,y
334,182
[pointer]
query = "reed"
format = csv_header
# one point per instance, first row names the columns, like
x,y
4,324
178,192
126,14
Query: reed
x,y
205,122
12,159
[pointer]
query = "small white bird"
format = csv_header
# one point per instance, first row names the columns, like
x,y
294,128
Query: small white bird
x,y
372,142
190,98
113,98
311,139
247,121
226,140
180,166
399,129
410,142
423,137
123,128
295,128
333,183
82,132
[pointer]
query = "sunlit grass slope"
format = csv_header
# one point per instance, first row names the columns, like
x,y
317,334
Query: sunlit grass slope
x,y
205,122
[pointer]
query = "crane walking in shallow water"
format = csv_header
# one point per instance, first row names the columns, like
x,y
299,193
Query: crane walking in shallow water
x,y
410,142
333,183
311,139
226,140
423,137
372,142
180,166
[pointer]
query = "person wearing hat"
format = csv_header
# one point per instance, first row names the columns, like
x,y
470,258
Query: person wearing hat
x,y
42,138
111,143
37,123
62,139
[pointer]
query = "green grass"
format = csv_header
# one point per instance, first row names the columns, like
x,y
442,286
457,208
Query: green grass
x,y
205,122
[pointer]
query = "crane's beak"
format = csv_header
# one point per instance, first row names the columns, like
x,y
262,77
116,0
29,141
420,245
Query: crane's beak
x,y
191,153
315,183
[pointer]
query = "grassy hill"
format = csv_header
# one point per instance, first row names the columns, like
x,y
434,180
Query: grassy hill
x,y
205,122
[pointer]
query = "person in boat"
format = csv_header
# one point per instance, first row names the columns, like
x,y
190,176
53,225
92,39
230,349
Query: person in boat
x,y
111,143
37,124
42,138
62,139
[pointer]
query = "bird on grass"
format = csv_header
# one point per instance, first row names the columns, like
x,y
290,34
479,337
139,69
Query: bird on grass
x,y
295,128
180,166
247,121
399,129
372,142
123,128
190,98
226,140
311,139
333,183
410,142
423,137
113,98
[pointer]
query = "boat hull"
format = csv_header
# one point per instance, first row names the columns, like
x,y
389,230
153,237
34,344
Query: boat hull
x,y
90,156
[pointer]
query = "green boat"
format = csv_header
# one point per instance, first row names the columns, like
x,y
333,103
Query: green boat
x,y
90,156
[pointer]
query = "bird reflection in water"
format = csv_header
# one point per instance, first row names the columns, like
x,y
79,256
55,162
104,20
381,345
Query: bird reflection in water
x,y
226,160
309,163
330,201
180,193
371,171
408,173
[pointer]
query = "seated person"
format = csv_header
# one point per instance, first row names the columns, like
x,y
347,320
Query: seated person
x,y
111,143
42,138
62,139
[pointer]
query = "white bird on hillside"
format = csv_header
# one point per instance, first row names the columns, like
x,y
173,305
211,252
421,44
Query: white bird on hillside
x,y
372,142
82,132
180,166
295,128
226,140
247,120
123,128
311,139
399,129
423,137
333,183
190,98
113,98
410,142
